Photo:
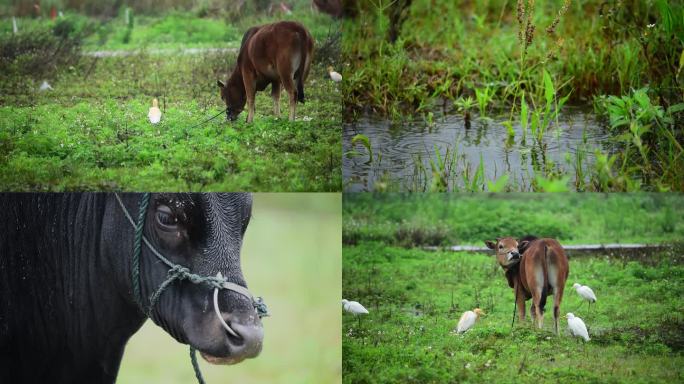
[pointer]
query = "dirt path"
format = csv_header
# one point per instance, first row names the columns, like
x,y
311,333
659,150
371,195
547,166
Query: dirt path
x,y
162,51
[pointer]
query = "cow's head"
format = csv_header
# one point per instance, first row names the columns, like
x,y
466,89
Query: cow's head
x,y
204,233
506,249
233,94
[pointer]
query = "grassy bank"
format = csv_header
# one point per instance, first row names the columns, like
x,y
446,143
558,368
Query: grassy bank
x,y
522,63
91,131
496,50
448,219
415,299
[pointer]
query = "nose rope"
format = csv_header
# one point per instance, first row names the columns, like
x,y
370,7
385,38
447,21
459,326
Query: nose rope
x,y
179,272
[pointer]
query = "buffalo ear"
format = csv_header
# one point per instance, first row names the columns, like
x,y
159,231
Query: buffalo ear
x,y
523,244
220,84
490,244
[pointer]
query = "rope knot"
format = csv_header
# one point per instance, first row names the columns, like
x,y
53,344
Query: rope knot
x,y
261,308
178,272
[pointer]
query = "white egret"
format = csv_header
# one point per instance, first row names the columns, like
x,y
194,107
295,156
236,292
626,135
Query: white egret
x,y
468,319
155,114
336,77
585,292
45,86
355,308
577,327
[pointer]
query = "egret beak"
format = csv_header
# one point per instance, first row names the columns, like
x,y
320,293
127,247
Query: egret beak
x,y
218,312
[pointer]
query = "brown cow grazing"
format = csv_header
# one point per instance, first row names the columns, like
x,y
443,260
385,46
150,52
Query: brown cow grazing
x,y
534,268
278,53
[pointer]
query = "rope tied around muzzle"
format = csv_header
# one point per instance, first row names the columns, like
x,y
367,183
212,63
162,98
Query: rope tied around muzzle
x,y
179,272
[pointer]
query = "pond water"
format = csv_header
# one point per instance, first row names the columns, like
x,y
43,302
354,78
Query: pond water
x,y
402,151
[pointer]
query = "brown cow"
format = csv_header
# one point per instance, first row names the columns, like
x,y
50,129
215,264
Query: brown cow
x,y
534,268
278,53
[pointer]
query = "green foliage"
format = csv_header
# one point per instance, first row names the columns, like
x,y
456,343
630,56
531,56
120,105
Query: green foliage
x,y
415,299
471,219
92,132
652,150
599,49
40,50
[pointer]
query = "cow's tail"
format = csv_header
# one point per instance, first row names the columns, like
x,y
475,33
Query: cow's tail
x,y
545,286
302,72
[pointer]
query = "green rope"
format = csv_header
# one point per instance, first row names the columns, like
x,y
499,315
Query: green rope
x,y
176,272
195,365
137,249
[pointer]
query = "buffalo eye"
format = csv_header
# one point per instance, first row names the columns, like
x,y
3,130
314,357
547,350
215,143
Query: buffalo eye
x,y
500,246
166,219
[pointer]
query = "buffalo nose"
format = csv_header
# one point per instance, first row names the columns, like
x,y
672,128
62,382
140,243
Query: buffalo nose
x,y
250,335
515,255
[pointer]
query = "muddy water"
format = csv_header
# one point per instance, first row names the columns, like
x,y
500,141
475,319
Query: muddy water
x,y
401,149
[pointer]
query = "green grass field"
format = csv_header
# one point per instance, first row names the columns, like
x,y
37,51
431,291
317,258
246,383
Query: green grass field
x,y
416,297
291,256
419,219
91,131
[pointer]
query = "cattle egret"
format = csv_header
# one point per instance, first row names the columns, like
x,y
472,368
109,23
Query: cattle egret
x,y
468,319
585,292
155,114
336,77
45,86
355,308
577,327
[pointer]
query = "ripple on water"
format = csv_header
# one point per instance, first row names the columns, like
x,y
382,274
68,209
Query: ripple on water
x,y
398,146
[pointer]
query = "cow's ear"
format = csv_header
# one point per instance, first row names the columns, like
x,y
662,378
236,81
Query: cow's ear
x,y
220,84
523,244
490,244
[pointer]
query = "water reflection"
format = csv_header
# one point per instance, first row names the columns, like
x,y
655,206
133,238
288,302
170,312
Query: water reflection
x,y
402,148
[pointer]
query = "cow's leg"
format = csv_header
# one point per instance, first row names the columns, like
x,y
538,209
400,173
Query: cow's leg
x,y
250,91
275,94
557,298
539,315
533,314
520,303
286,73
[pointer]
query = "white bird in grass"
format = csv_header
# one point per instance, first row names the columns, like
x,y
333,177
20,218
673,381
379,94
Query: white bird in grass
x,y
585,292
155,114
355,308
468,319
336,77
45,86
577,327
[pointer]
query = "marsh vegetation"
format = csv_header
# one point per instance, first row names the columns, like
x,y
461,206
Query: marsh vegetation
x,y
522,70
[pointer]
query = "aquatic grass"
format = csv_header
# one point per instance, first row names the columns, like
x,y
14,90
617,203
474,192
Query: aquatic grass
x,y
484,97
498,185
365,142
464,105
652,152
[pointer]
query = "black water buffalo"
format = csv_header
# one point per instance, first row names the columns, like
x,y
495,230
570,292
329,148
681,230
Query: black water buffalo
x,y
66,302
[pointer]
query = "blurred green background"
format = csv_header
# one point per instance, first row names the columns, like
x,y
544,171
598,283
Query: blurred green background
x,y
418,219
292,257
